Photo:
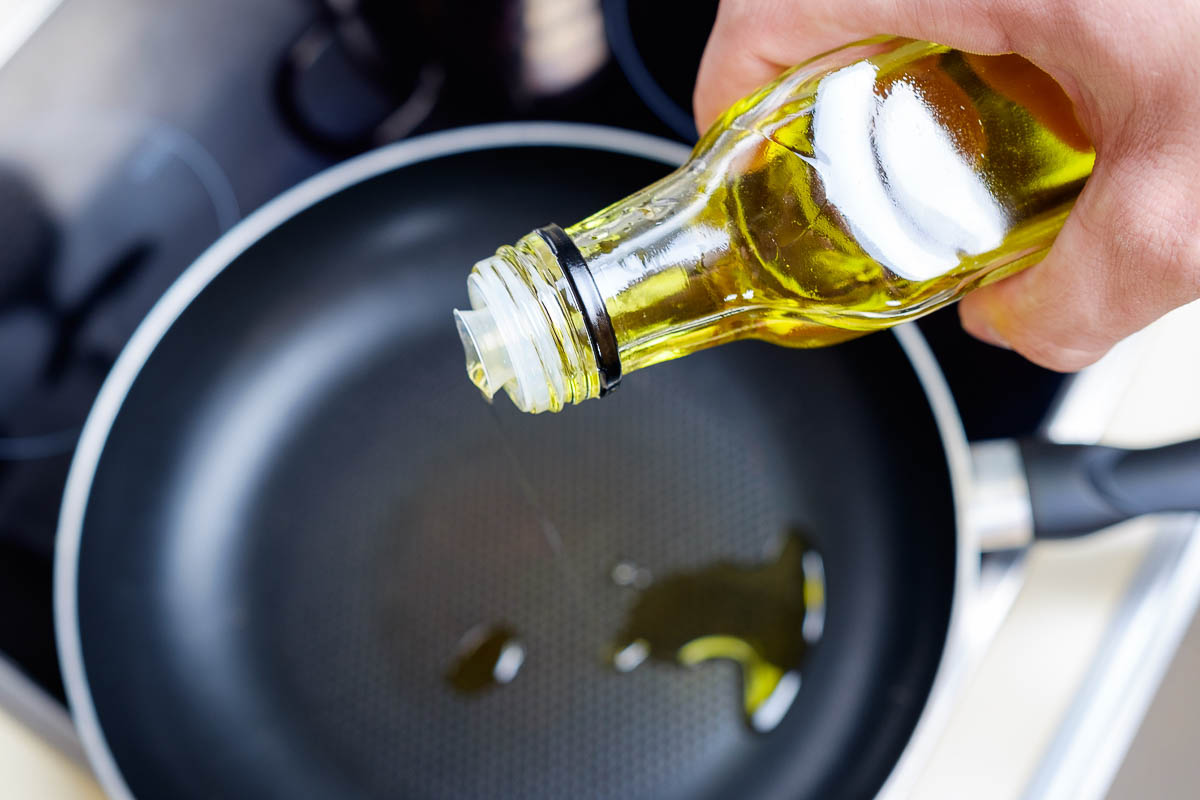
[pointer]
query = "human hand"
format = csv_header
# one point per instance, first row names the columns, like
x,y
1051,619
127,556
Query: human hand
x,y
1130,250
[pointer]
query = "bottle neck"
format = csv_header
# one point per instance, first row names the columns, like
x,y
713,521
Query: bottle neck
x,y
525,331
589,301
558,317
655,258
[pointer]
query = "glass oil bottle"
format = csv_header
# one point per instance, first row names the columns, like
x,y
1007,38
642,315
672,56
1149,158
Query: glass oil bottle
x,y
859,190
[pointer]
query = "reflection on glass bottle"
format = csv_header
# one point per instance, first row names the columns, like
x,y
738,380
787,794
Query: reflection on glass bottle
x,y
861,189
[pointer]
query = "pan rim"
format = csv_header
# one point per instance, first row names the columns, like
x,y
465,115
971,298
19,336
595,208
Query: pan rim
x,y
193,280
953,663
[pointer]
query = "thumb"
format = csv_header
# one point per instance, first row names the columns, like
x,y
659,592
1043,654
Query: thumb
x,y
1118,264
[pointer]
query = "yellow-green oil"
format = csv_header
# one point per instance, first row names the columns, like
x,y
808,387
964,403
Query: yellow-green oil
x,y
745,241
763,617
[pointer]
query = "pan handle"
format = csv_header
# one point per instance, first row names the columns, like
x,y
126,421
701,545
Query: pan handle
x,y
1037,489
1075,489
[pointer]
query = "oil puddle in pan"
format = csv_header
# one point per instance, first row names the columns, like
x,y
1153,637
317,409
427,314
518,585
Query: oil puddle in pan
x,y
488,656
763,617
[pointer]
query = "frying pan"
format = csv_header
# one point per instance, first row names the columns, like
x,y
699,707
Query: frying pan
x,y
289,506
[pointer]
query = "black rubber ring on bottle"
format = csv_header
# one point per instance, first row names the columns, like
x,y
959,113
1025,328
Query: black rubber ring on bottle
x,y
591,304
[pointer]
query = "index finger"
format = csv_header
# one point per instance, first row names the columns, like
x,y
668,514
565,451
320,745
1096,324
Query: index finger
x,y
735,61
753,41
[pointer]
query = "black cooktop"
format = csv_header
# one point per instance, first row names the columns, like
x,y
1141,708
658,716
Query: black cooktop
x,y
136,131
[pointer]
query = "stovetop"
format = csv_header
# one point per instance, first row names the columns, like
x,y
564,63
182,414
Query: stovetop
x,y
137,131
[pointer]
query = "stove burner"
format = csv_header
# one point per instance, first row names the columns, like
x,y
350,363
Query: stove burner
x,y
108,248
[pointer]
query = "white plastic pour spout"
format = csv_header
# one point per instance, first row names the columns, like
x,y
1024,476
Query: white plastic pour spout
x,y
487,358
508,340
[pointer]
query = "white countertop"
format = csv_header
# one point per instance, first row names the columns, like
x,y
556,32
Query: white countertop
x,y
38,756
32,768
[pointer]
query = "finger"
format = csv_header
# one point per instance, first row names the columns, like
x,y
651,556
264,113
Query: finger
x,y
1115,267
728,72
754,40
745,52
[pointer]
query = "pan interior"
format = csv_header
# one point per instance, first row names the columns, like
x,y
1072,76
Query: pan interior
x,y
304,506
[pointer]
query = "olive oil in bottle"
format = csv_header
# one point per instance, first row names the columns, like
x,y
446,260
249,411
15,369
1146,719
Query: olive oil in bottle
x,y
864,188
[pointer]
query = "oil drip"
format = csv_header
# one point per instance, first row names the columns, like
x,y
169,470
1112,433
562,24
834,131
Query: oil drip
x,y
550,531
763,617
487,657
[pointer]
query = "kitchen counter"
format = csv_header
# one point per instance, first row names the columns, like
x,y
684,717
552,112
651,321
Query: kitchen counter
x,y
33,768
39,754
1162,761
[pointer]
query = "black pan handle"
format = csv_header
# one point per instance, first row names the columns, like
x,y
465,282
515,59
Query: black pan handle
x,y
1077,489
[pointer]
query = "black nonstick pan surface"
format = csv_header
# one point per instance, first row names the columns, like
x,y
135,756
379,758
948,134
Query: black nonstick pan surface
x,y
290,506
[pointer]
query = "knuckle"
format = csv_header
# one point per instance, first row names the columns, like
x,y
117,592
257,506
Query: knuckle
x,y
1179,269
1180,235
1146,230
1159,242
